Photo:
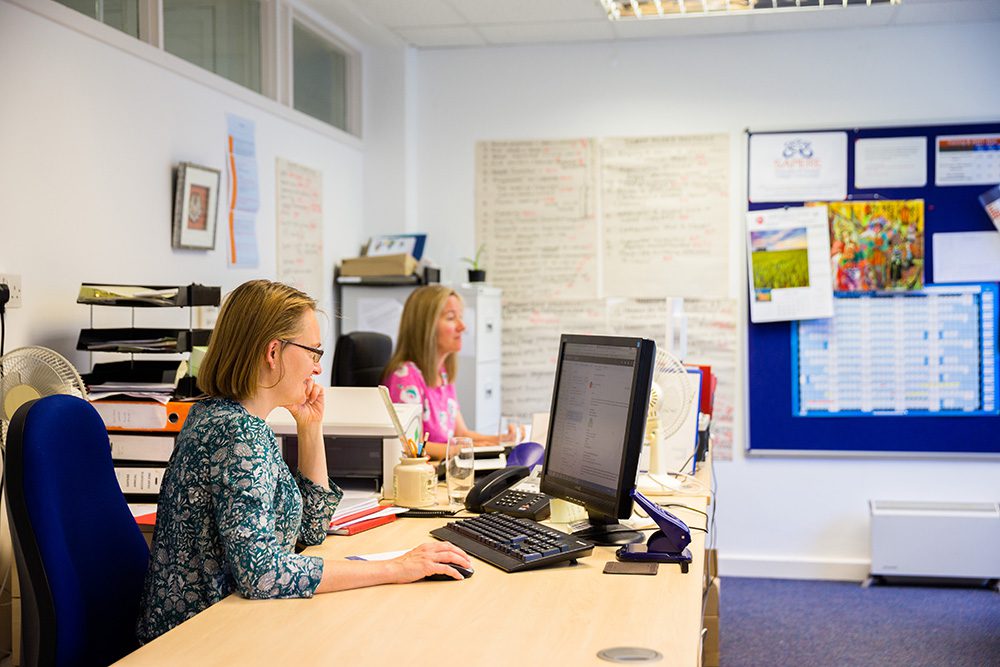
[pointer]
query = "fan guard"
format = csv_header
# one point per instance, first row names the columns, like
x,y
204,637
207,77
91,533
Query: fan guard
x,y
671,392
669,405
31,372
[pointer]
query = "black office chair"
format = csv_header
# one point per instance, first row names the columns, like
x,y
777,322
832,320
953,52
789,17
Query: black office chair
x,y
359,359
81,558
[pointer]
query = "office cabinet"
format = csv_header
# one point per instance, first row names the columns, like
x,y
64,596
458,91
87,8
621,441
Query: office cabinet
x,y
478,382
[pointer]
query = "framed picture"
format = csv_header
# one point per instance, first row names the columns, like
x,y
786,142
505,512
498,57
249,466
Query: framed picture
x,y
196,205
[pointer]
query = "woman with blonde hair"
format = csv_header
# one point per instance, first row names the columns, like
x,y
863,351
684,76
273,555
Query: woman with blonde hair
x,y
423,367
230,510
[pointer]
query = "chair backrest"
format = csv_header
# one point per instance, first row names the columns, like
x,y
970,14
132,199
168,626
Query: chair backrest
x,y
359,359
81,558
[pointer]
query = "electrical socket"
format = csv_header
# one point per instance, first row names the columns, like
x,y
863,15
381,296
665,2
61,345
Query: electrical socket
x,y
13,282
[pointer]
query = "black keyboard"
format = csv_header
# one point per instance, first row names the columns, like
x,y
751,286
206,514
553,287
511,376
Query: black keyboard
x,y
513,544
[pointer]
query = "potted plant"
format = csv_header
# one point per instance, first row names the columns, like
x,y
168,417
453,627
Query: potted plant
x,y
476,274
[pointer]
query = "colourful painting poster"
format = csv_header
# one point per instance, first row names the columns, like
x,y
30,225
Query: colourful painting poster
x,y
877,245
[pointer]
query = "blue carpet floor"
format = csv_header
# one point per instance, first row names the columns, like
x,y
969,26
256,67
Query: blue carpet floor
x,y
774,622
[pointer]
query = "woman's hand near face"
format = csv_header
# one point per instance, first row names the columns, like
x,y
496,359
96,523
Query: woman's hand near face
x,y
310,411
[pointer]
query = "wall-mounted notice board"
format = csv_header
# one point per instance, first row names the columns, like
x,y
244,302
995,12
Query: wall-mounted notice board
x,y
906,365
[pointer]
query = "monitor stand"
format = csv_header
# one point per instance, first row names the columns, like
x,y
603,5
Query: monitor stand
x,y
607,532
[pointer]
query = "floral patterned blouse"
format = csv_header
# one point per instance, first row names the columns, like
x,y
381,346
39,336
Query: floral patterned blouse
x,y
440,405
229,516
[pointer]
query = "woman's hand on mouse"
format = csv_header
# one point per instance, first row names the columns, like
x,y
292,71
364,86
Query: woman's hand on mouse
x,y
427,559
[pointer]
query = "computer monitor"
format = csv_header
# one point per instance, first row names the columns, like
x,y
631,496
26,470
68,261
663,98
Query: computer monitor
x,y
596,428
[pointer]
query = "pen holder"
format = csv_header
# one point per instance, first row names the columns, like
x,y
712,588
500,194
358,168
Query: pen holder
x,y
414,480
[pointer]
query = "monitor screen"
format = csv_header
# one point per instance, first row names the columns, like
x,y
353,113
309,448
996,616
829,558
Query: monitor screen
x,y
596,428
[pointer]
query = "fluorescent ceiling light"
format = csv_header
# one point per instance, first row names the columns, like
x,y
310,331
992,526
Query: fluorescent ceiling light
x,y
651,9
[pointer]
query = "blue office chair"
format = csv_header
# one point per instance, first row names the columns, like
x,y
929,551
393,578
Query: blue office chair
x,y
81,558
359,359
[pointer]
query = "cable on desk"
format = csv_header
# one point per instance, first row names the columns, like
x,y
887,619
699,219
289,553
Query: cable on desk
x,y
693,509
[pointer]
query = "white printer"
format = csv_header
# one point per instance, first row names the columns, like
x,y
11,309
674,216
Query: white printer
x,y
361,442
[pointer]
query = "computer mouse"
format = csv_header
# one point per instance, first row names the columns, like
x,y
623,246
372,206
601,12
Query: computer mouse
x,y
465,572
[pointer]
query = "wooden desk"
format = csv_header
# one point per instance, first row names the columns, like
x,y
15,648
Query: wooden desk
x,y
559,615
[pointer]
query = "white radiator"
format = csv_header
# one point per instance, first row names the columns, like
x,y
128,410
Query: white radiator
x,y
935,539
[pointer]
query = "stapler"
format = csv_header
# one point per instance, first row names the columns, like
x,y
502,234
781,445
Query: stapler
x,y
666,545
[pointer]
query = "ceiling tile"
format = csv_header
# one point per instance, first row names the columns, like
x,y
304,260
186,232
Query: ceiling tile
x,y
409,13
528,33
528,11
441,37
917,11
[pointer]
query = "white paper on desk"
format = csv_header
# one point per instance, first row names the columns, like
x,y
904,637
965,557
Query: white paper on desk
x,y
385,555
966,257
890,162
788,256
798,167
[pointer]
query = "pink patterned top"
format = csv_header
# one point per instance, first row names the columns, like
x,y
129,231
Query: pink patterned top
x,y
440,405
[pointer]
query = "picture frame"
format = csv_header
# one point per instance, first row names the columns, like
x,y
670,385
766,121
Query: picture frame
x,y
196,206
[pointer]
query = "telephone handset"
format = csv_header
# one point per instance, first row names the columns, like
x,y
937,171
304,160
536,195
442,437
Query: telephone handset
x,y
493,485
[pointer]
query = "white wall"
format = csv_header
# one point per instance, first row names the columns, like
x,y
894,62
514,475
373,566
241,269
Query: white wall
x,y
89,134
776,517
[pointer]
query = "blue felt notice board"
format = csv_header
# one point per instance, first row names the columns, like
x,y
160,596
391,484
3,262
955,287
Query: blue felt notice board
x,y
773,428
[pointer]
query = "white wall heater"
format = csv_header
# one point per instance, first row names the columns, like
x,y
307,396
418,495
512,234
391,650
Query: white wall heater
x,y
935,539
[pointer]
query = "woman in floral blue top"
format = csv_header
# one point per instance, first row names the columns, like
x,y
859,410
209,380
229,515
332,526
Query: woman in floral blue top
x,y
231,511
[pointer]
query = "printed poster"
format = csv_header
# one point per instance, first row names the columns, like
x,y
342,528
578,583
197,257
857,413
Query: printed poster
x,y
794,167
788,252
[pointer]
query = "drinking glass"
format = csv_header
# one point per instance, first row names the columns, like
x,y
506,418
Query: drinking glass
x,y
459,468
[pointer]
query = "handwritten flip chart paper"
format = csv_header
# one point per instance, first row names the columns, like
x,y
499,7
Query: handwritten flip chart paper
x,y
531,344
665,220
535,213
711,339
299,219
643,318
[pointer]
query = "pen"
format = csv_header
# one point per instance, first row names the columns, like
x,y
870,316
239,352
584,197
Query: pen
x,y
423,443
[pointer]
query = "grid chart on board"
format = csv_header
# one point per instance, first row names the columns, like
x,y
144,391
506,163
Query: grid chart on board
x,y
931,352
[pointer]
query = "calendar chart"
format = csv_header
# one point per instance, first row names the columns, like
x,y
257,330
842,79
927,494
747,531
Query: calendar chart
x,y
929,353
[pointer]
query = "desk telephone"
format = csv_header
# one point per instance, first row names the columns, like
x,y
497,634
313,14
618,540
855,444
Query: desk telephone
x,y
493,493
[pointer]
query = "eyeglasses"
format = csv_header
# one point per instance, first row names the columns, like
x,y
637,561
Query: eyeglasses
x,y
317,353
